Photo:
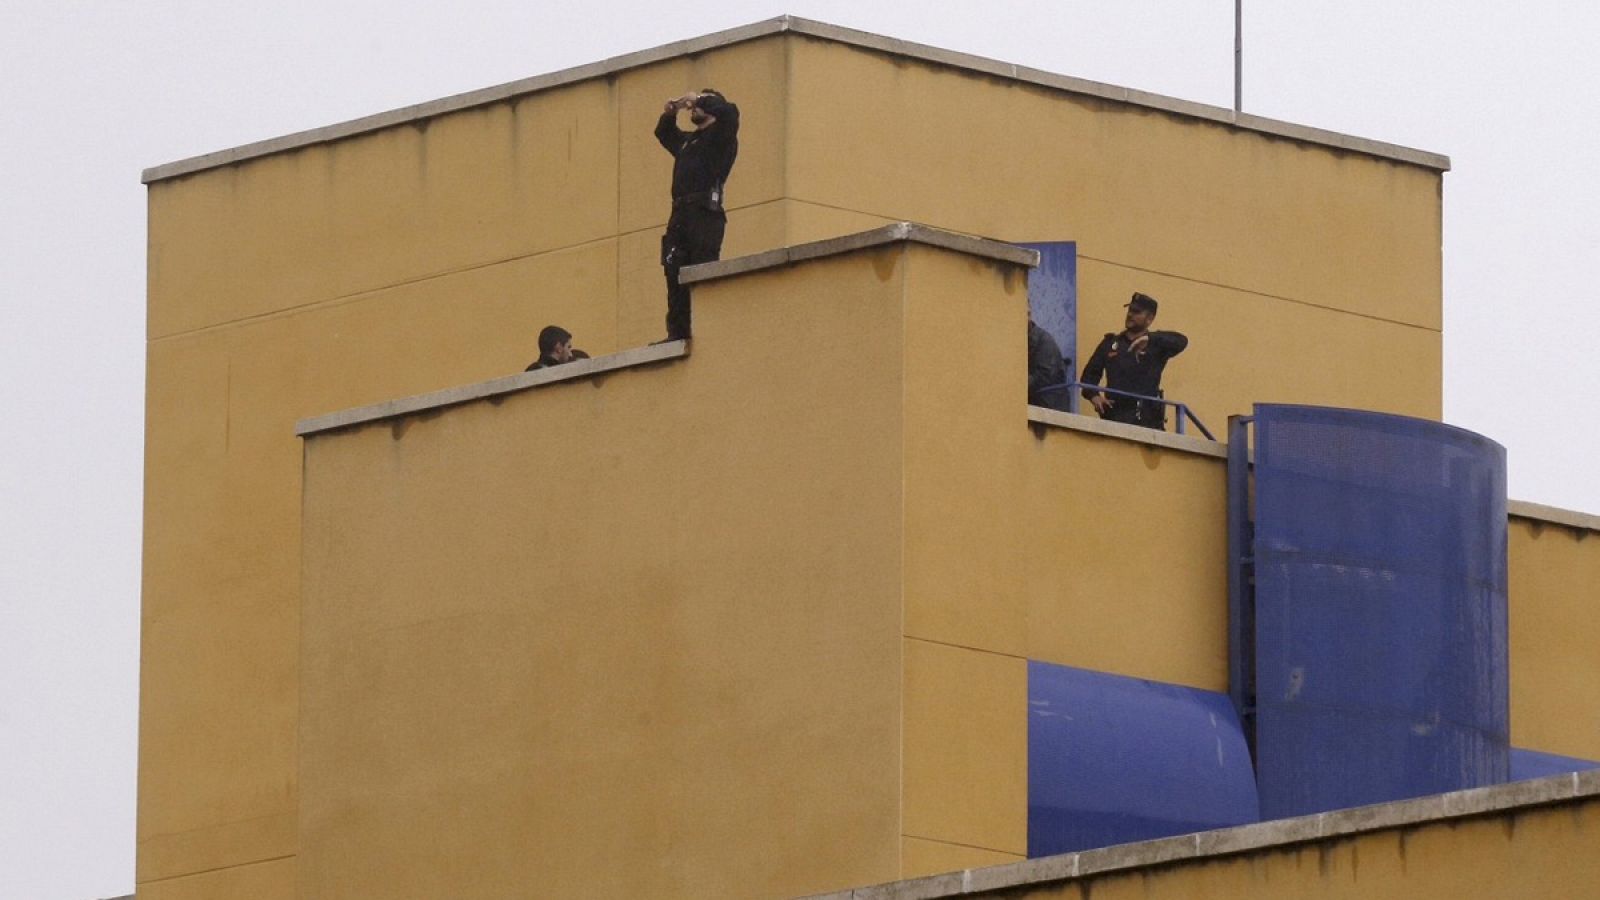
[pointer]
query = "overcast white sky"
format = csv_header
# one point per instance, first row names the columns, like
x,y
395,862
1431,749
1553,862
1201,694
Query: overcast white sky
x,y
93,92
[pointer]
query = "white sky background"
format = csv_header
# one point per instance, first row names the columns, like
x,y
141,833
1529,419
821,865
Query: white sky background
x,y
93,92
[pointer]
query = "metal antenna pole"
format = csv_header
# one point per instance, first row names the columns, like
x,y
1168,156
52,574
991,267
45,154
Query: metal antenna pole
x,y
1238,55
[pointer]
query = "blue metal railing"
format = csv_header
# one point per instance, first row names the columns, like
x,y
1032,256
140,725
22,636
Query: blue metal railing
x,y
1072,389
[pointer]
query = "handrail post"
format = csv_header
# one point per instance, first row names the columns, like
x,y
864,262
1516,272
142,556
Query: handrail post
x,y
1184,414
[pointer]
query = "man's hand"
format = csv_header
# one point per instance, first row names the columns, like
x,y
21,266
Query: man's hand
x,y
1101,403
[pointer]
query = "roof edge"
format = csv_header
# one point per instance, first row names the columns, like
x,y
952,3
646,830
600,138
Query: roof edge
x,y
893,233
457,102
821,30
1538,512
1069,84
1277,834
498,387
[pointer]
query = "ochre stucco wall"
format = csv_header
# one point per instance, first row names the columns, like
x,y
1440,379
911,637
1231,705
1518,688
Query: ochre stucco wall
x,y
427,255
635,635
1555,633
1000,547
388,264
960,540
1303,274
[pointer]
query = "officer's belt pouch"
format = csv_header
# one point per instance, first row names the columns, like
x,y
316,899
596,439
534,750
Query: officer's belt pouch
x,y
707,200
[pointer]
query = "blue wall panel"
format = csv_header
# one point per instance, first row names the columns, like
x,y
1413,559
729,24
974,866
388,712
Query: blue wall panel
x,y
1527,764
1380,609
1114,759
1053,296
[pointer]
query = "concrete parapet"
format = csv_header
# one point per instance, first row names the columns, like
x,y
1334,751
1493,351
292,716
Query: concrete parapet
x,y
1171,857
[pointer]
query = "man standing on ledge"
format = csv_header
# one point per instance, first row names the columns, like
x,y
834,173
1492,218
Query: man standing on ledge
x,y
703,159
1133,361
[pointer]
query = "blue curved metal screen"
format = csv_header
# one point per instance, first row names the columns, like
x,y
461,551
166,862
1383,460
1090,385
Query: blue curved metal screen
x,y
1380,609
1113,759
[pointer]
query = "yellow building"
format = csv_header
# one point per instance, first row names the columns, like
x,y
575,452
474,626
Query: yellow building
x,y
753,619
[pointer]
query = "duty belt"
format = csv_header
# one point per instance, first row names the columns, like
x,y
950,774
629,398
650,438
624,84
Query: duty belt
x,y
711,200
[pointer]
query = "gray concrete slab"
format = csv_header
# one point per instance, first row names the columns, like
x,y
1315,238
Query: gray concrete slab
x,y
1538,512
510,384
896,232
1440,808
818,30
1092,425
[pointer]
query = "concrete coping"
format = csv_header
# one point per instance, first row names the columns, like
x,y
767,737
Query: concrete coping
x,y
820,30
1541,513
897,232
510,384
1091,425
1204,846
1520,509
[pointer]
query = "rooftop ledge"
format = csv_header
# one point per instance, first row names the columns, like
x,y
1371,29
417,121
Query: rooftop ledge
x,y
511,384
1539,512
1204,846
1580,522
897,232
1148,436
823,31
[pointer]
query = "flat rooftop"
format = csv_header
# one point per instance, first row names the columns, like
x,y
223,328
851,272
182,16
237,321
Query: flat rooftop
x,y
822,31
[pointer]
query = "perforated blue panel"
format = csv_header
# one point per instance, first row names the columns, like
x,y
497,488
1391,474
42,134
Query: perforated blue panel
x,y
1380,609
1053,295
1114,759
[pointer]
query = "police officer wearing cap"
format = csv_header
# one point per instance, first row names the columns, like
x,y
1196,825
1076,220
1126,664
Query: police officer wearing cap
x,y
1133,361
702,160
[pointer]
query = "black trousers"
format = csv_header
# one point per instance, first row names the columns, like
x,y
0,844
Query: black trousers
x,y
1137,412
694,235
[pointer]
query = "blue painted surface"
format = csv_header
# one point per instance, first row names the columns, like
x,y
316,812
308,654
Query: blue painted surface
x,y
1114,759
1241,579
1527,764
1053,295
1380,609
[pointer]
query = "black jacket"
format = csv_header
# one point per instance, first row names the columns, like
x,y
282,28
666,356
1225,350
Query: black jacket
x,y
545,362
1138,373
705,157
1046,368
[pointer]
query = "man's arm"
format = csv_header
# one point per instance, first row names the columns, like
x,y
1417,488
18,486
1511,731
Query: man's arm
x,y
726,114
1093,370
1167,343
667,130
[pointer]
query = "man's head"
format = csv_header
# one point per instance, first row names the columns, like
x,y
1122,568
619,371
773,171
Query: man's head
x,y
556,343
697,113
1141,312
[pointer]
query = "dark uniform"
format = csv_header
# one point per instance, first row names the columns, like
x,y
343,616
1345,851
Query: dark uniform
x,y
1046,369
545,361
1138,373
703,160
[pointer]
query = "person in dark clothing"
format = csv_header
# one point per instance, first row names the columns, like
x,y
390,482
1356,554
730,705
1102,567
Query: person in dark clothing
x,y
702,160
555,348
1046,368
1133,361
